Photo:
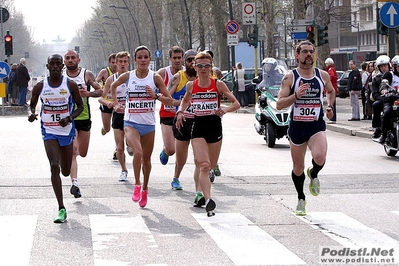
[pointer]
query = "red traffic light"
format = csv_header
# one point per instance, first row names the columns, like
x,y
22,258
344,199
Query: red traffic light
x,y
309,29
8,38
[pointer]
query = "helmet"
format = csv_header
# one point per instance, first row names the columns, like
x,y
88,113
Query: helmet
x,y
395,60
270,61
382,59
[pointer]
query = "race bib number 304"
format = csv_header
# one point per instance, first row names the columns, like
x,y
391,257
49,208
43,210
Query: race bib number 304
x,y
307,110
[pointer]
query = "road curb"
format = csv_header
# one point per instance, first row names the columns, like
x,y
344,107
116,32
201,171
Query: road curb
x,y
351,131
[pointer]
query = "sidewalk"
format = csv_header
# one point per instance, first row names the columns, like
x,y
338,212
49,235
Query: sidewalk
x,y
360,128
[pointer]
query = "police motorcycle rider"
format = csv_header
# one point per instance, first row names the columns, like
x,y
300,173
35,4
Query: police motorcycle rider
x,y
383,65
389,83
271,73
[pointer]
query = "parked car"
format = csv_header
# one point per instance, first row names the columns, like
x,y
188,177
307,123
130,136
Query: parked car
x,y
340,73
343,85
249,74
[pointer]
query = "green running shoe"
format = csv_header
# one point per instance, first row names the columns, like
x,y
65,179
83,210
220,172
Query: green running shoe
x,y
217,171
314,186
62,215
300,208
199,200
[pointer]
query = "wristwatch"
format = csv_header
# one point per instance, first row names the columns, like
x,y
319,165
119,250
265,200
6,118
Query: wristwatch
x,y
157,96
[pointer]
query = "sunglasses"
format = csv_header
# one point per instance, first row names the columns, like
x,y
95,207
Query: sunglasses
x,y
203,65
190,59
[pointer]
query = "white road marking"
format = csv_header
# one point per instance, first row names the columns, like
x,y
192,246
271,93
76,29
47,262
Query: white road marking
x,y
244,242
107,231
348,231
16,239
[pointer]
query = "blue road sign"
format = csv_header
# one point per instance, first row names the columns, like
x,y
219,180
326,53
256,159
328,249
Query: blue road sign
x,y
158,53
389,14
4,69
298,35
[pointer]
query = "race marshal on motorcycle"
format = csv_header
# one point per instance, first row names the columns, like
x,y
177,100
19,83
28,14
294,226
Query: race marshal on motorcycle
x,y
302,89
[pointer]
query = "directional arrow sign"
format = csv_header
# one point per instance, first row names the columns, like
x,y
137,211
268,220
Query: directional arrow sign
x,y
301,22
4,69
389,14
299,28
298,35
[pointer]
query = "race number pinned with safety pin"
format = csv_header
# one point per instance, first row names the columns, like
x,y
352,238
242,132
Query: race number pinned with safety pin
x,y
307,110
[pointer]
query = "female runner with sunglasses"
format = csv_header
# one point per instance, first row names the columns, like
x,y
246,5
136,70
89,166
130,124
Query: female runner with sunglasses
x,y
204,95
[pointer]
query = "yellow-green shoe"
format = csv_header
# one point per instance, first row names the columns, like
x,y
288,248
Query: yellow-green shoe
x,y
300,208
314,186
62,215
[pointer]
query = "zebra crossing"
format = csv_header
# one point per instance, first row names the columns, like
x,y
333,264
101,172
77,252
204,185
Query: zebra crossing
x,y
136,238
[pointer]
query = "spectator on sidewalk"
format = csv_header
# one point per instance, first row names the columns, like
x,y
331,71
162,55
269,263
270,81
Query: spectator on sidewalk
x,y
12,88
367,90
22,81
334,81
365,75
354,87
239,79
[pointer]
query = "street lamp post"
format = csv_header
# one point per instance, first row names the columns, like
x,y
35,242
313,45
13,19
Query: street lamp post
x,y
131,15
123,28
155,31
114,26
357,26
189,25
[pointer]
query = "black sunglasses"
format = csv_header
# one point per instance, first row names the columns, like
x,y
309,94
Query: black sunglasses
x,y
190,59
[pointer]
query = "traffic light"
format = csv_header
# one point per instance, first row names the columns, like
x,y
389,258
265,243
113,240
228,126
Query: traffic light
x,y
322,35
8,44
310,36
253,37
382,29
77,49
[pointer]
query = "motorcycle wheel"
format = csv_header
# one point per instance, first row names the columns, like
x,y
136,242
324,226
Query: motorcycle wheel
x,y
389,151
270,135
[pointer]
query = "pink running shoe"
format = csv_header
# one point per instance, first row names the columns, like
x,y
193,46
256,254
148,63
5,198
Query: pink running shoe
x,y
136,193
144,198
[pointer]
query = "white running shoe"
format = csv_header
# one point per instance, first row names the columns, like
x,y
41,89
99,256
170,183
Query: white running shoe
x,y
123,176
129,150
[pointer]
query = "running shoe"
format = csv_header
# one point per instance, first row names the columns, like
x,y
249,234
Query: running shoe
x,y
123,176
314,186
212,175
144,198
199,200
75,191
163,157
176,184
210,206
103,132
300,208
114,156
129,150
136,193
61,218
217,171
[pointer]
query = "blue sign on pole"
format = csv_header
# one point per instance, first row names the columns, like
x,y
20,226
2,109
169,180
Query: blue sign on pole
x,y
158,53
298,35
4,69
389,14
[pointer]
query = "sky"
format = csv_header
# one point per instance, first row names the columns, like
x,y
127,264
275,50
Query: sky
x,y
49,19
